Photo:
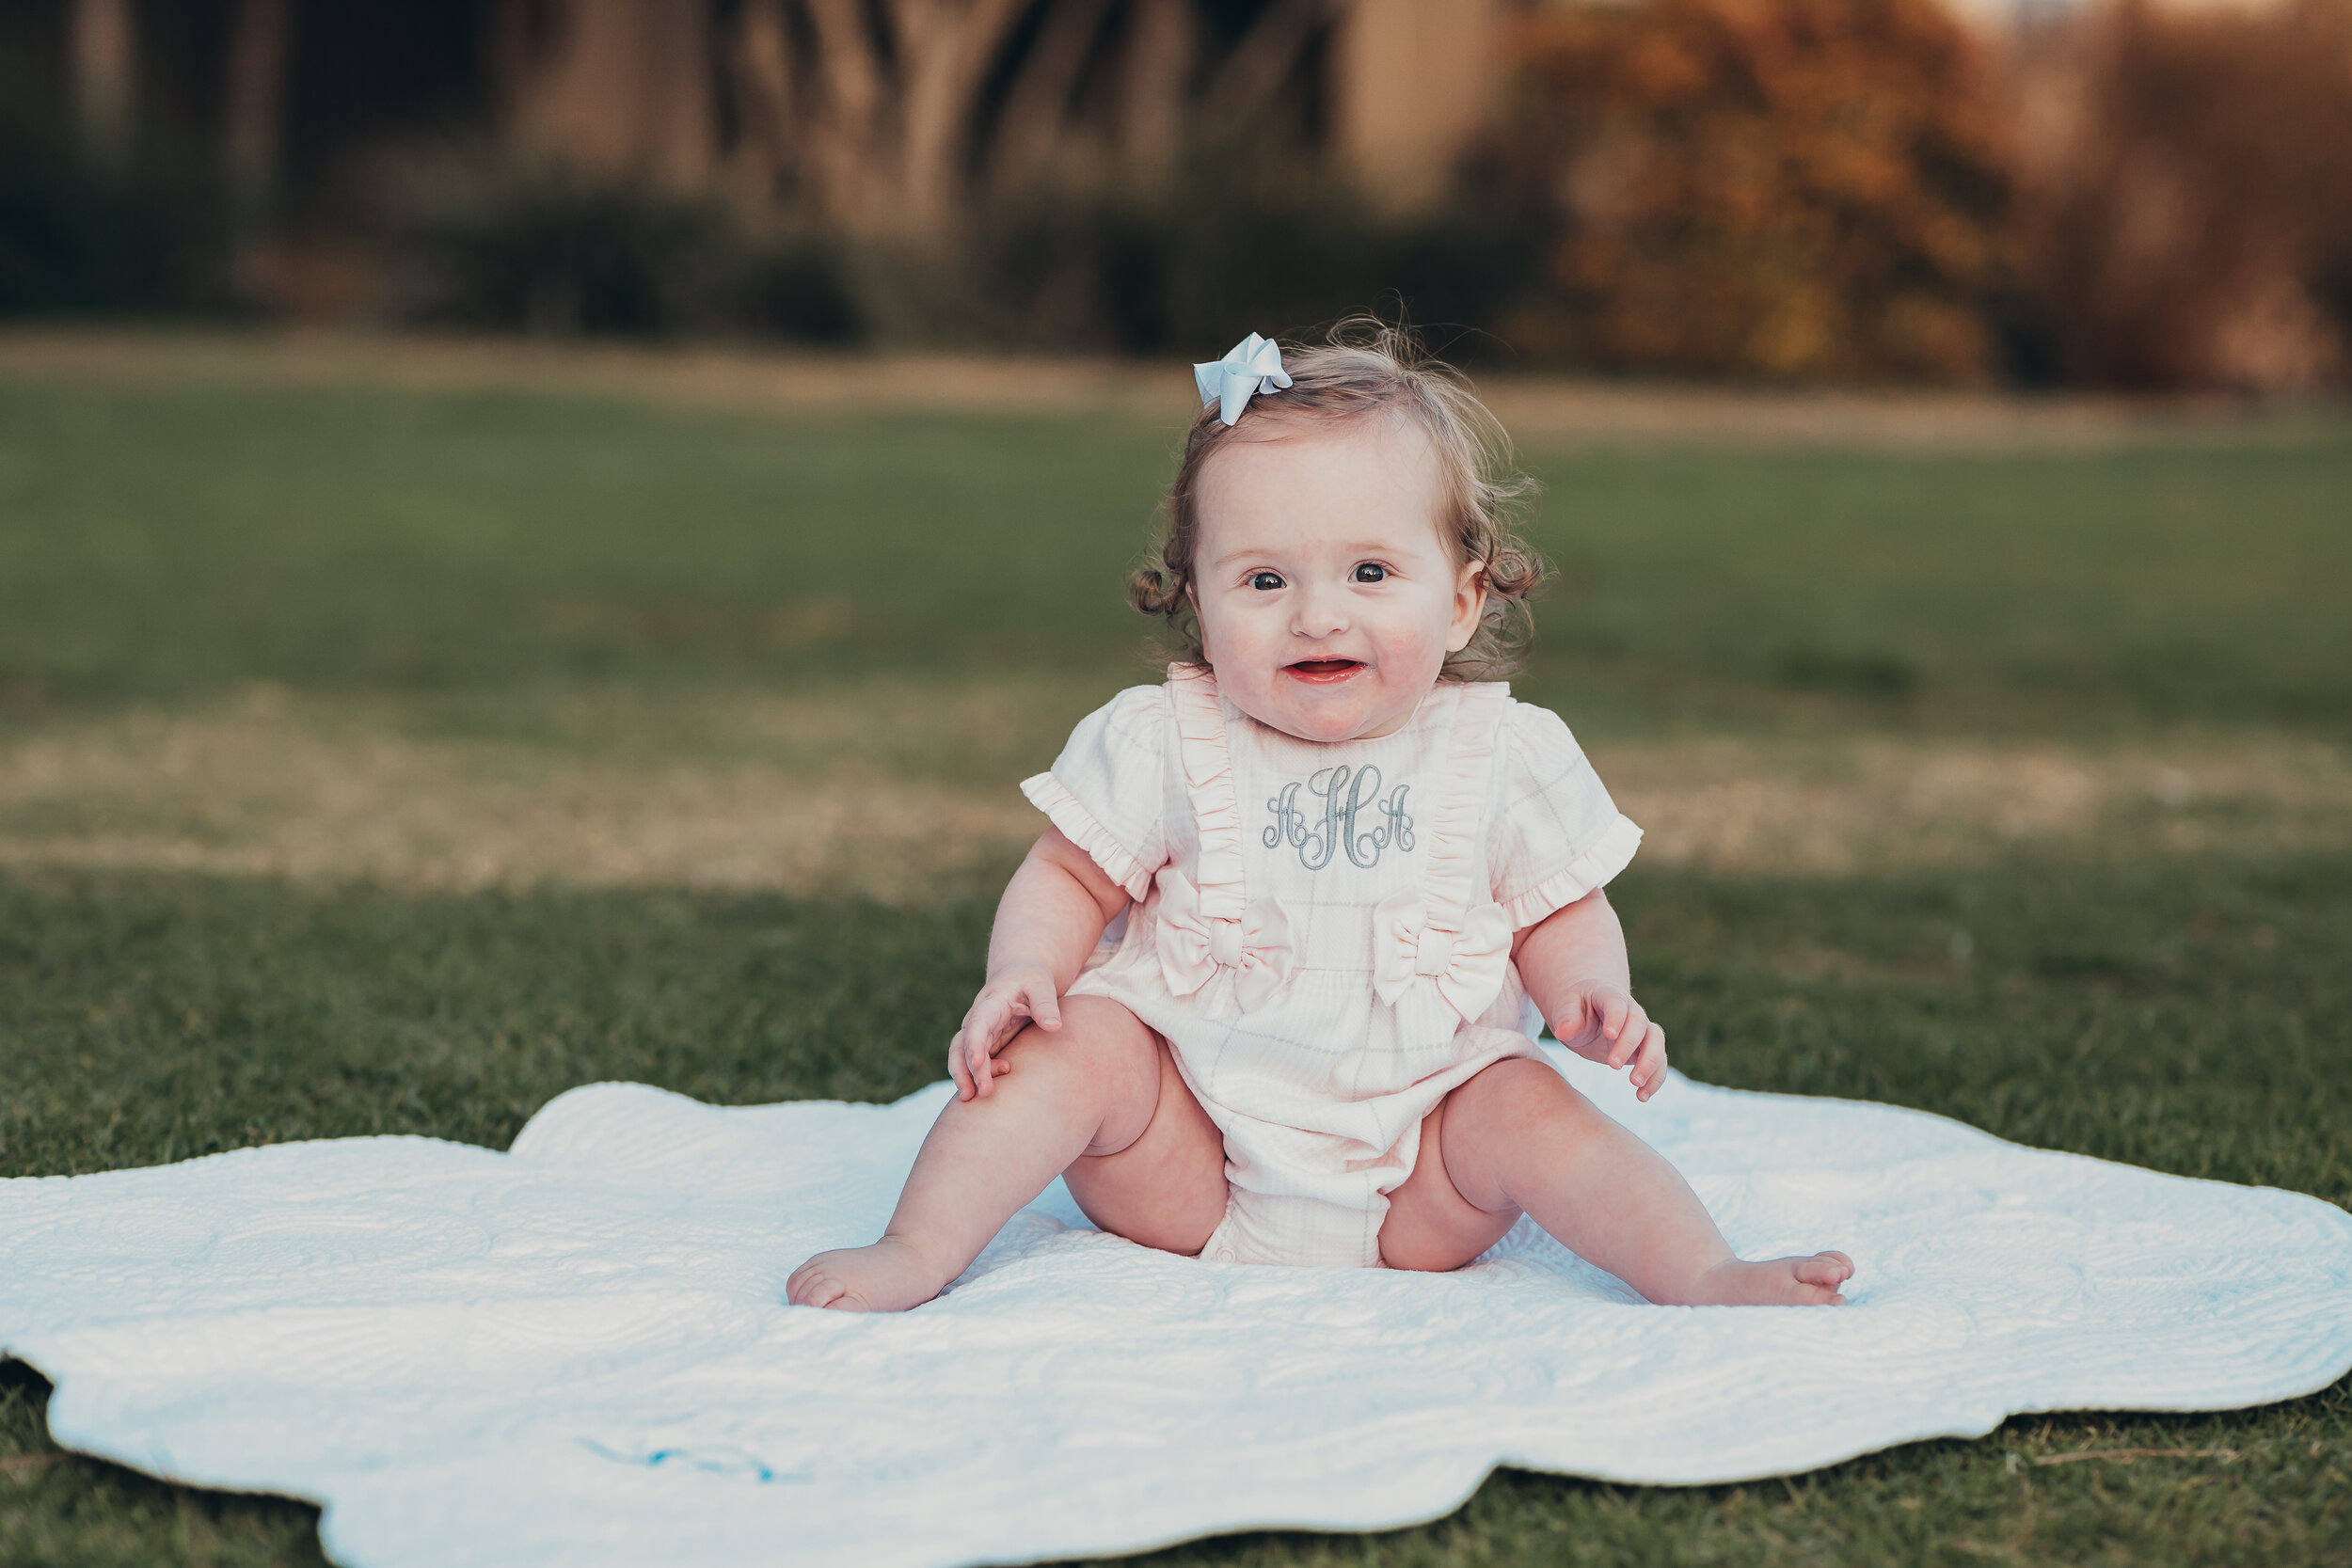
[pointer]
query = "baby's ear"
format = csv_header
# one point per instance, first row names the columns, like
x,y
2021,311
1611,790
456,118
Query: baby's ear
x,y
1469,606
1200,622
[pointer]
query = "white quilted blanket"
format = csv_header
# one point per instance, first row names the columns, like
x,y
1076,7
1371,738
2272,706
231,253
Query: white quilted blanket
x,y
577,1353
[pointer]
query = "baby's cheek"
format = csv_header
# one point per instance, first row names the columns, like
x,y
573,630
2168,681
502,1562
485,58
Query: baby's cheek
x,y
1415,649
1231,638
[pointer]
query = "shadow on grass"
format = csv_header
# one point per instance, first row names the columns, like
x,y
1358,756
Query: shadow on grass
x,y
59,1508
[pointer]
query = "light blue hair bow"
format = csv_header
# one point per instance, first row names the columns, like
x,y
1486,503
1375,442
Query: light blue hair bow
x,y
1254,366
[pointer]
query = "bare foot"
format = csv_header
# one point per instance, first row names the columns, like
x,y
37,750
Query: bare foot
x,y
887,1276
1777,1282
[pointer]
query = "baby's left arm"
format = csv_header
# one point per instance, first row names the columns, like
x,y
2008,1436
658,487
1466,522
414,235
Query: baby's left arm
x,y
1573,963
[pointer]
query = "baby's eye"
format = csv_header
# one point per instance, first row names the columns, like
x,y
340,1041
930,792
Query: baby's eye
x,y
1265,582
1370,571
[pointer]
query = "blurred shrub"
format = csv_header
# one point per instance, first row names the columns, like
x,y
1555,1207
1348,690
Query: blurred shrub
x,y
1787,188
1234,249
798,289
483,240
80,236
2189,216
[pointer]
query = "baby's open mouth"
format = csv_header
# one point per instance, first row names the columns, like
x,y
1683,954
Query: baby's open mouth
x,y
1324,669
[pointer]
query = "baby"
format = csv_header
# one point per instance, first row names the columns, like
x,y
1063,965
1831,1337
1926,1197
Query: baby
x,y
1265,991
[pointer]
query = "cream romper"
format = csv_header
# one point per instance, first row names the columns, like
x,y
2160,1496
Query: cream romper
x,y
1322,933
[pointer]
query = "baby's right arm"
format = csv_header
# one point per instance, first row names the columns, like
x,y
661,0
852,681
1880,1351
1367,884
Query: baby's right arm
x,y
1053,912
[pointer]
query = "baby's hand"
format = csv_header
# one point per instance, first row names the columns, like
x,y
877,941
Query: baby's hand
x,y
1011,997
1603,1023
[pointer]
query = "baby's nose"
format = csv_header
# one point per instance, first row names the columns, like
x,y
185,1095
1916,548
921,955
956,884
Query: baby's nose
x,y
1319,615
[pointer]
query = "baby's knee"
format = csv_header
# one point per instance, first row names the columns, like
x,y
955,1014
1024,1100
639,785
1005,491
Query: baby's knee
x,y
1098,1038
1522,1090
1041,1054
1102,1019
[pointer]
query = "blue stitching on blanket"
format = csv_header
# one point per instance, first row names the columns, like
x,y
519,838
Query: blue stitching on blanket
x,y
723,1460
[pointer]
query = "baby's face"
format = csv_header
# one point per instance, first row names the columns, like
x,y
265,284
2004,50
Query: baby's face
x,y
1328,601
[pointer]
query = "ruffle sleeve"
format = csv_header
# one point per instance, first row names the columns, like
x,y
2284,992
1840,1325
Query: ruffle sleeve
x,y
1558,836
1108,790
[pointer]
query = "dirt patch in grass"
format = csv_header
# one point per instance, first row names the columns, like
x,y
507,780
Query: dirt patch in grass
x,y
885,791
272,787
1535,408
1877,803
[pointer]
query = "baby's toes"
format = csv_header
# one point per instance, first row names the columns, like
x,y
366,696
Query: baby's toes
x,y
1831,1269
1822,1274
811,1285
837,1295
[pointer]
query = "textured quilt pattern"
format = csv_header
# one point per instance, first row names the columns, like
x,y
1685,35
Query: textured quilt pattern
x,y
578,1352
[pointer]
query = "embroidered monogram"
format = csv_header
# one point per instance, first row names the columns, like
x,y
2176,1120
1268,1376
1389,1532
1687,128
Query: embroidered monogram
x,y
1344,796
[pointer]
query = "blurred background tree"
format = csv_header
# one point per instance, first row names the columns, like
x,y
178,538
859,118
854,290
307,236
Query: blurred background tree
x,y
2126,194
1802,188
2187,218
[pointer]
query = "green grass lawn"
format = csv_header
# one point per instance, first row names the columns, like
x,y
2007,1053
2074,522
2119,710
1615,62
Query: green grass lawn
x,y
472,562
155,542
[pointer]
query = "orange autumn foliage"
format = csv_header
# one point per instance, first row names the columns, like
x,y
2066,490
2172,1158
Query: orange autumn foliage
x,y
1781,188
2187,218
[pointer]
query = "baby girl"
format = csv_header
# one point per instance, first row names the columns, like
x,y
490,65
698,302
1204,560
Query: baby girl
x,y
1265,991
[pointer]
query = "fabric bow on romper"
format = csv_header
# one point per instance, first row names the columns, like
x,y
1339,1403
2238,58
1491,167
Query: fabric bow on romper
x,y
1322,933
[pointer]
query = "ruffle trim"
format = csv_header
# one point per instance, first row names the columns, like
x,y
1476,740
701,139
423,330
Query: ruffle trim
x,y
1447,879
1049,795
1609,854
1208,764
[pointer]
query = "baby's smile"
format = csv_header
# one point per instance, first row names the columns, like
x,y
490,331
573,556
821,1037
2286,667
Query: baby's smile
x,y
1324,672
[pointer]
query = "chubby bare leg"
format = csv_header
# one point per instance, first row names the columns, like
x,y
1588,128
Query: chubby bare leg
x,y
1168,1188
1517,1138
1080,1100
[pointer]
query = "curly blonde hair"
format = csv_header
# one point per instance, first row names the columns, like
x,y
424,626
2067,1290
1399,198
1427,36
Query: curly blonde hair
x,y
1365,367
